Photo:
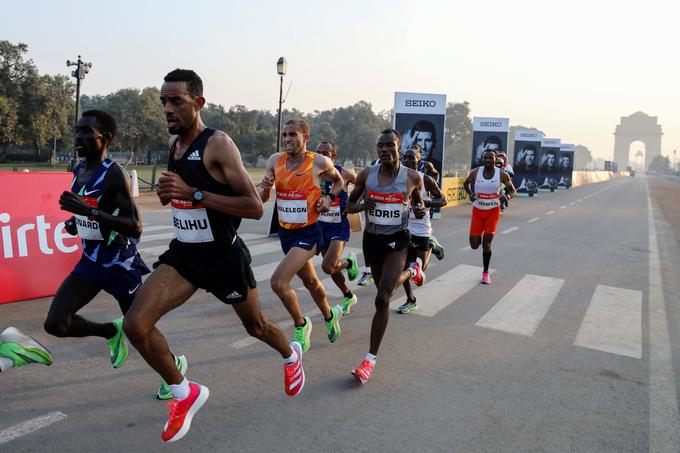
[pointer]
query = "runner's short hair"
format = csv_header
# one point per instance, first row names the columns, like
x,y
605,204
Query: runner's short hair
x,y
299,122
105,121
193,81
396,133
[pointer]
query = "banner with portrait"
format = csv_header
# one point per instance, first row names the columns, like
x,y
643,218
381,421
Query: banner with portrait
x,y
488,133
420,118
566,165
526,160
548,171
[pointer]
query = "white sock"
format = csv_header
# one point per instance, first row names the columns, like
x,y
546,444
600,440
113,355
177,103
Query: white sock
x,y
371,358
367,269
293,357
181,390
5,363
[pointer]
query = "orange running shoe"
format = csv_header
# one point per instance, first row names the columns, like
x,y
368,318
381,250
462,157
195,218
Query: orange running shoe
x,y
182,411
417,274
294,375
363,372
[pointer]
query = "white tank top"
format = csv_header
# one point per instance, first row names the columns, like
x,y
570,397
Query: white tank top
x,y
420,227
486,190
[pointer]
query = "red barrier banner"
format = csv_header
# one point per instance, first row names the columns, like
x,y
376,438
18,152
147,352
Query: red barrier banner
x,y
36,253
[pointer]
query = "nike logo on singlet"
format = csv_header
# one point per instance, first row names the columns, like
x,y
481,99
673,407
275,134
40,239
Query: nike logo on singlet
x,y
299,174
88,192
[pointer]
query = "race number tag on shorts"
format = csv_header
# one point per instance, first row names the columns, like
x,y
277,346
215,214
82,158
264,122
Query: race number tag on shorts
x,y
388,208
88,228
292,206
333,214
190,222
487,200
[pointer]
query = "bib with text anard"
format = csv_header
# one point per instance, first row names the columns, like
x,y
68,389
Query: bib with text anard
x,y
292,206
191,222
388,208
88,228
333,215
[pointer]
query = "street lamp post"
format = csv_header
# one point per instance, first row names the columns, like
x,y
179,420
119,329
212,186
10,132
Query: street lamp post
x,y
79,72
281,69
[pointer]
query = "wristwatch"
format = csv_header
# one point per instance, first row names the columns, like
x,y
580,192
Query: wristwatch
x,y
332,195
197,197
94,212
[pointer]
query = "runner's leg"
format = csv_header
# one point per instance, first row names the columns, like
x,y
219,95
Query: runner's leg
x,y
311,281
294,260
388,276
258,326
73,294
164,290
333,266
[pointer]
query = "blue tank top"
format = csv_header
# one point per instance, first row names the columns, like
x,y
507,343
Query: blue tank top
x,y
340,202
102,245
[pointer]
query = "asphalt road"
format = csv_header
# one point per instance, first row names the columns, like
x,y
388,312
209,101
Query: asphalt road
x,y
573,348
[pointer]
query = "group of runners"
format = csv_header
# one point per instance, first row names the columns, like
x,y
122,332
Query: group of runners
x,y
210,191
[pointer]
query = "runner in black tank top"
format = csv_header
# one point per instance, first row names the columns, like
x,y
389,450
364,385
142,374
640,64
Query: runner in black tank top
x,y
210,192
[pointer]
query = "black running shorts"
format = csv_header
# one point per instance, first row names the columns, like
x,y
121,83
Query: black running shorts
x,y
223,271
376,246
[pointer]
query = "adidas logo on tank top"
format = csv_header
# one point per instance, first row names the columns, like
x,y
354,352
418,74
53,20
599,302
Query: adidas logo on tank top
x,y
194,156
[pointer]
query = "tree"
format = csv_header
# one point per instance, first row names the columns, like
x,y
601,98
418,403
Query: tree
x,y
660,164
457,135
582,156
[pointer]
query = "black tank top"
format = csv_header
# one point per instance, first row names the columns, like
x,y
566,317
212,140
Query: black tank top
x,y
192,170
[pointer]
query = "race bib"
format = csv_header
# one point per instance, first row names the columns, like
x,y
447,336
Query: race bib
x,y
487,200
333,214
292,206
191,222
388,208
88,228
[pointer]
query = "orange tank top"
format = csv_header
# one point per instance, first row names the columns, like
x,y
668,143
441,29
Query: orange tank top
x,y
296,194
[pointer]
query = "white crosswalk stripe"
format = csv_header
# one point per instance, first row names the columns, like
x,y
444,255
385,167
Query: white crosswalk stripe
x,y
523,308
444,290
613,322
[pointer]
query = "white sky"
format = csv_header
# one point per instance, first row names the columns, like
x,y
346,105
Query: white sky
x,y
570,68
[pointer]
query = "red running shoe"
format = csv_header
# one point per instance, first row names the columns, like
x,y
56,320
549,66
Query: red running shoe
x,y
486,279
294,374
417,274
363,372
182,411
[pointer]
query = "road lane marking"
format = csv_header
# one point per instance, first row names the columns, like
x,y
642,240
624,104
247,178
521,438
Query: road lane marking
x,y
563,207
27,427
613,322
467,248
444,290
533,220
572,203
664,419
550,213
510,230
156,237
523,308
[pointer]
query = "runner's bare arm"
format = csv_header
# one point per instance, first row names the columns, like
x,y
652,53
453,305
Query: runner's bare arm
x,y
437,199
268,181
327,171
430,170
126,222
510,190
469,180
415,185
349,176
359,188
171,143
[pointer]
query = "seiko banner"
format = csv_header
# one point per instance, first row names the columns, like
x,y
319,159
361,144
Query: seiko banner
x,y
566,165
488,133
420,118
526,160
549,164
36,253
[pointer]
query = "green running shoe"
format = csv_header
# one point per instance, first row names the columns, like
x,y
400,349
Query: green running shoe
x,y
333,325
303,334
22,349
347,303
353,269
119,351
408,306
164,392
